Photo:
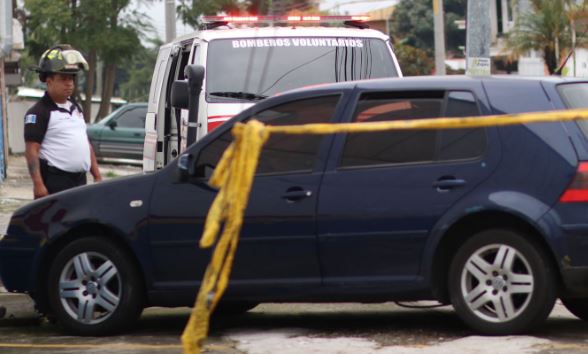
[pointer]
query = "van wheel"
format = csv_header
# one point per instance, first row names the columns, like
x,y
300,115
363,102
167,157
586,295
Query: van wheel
x,y
94,289
579,307
501,283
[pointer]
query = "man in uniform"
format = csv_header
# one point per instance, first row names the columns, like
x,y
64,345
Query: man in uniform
x,y
57,149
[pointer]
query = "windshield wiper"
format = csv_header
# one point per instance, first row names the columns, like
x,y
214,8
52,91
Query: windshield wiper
x,y
242,95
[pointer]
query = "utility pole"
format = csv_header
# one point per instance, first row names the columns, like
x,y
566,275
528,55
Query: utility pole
x,y
5,49
170,20
478,38
439,37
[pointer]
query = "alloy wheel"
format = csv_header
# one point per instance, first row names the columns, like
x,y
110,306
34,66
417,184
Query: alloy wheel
x,y
497,283
90,288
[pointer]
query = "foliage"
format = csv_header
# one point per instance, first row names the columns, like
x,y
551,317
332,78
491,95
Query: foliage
x,y
137,76
413,61
412,24
546,29
191,10
106,30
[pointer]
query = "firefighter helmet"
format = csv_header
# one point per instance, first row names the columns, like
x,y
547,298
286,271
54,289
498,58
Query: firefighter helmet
x,y
61,59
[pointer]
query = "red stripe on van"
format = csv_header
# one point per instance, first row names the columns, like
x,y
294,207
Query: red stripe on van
x,y
216,121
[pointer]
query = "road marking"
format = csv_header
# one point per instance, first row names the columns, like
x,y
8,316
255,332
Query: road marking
x,y
120,346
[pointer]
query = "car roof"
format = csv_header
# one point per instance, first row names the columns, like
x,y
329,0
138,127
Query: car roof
x,y
435,82
265,32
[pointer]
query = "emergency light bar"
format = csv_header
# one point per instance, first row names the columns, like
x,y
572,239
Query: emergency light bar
x,y
286,18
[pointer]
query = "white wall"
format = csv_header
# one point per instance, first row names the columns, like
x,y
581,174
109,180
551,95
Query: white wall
x,y
17,107
581,64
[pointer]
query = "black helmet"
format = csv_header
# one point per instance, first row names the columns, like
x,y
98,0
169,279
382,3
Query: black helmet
x,y
61,59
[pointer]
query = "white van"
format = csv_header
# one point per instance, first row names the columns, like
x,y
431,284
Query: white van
x,y
245,65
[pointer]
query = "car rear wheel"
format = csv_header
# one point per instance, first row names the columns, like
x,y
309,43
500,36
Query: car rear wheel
x,y
501,283
94,289
579,307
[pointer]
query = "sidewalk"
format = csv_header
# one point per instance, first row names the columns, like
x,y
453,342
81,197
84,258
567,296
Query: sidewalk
x,y
17,190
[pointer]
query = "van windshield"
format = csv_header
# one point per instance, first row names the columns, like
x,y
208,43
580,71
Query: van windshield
x,y
251,69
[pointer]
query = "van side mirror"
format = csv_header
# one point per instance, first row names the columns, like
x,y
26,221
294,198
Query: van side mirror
x,y
112,124
195,75
180,94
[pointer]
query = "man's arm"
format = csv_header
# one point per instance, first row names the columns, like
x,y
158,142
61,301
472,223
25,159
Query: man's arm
x,y
32,156
94,166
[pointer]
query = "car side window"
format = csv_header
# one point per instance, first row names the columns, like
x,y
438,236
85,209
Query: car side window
x,y
459,144
382,148
133,118
282,153
418,145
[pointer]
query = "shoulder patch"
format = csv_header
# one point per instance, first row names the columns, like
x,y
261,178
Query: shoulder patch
x,y
30,119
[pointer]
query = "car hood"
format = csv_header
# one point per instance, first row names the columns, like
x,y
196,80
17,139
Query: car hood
x,y
121,203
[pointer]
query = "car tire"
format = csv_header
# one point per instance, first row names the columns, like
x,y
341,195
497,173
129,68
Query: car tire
x,y
578,307
94,288
501,283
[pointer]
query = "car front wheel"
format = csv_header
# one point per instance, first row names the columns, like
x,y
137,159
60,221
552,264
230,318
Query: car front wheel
x,y
501,283
94,289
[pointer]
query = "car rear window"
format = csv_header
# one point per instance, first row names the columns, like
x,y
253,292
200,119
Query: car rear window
x,y
576,96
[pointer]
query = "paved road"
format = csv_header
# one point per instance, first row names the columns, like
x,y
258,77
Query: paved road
x,y
299,328
275,328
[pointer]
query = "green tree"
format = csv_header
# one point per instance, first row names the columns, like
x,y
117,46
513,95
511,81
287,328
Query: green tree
x,y
104,30
545,29
412,24
413,61
191,10
137,76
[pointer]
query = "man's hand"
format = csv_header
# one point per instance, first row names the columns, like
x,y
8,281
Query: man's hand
x,y
32,156
39,190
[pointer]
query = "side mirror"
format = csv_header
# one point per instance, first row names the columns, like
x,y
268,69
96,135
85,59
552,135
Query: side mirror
x,y
188,169
185,163
180,94
112,124
195,75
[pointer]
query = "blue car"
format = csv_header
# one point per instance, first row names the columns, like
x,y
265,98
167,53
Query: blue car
x,y
493,221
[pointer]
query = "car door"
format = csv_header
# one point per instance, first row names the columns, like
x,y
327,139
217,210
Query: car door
x,y
383,192
123,135
277,247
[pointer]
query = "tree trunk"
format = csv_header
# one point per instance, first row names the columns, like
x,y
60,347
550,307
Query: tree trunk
x,y
107,88
573,26
550,59
89,89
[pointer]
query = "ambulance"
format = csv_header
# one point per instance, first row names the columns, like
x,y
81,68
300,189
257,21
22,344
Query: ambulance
x,y
246,59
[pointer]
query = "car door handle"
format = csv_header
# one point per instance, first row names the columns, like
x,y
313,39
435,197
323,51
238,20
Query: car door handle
x,y
450,183
296,193
136,134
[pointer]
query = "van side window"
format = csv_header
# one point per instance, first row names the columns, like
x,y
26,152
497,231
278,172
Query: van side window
x,y
282,153
412,146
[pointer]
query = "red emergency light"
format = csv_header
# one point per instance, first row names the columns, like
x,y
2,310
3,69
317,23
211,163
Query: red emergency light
x,y
285,18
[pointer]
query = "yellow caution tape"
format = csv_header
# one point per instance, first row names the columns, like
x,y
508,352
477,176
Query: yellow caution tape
x,y
234,177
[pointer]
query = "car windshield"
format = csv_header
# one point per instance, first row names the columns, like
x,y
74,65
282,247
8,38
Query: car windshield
x,y
576,96
264,66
